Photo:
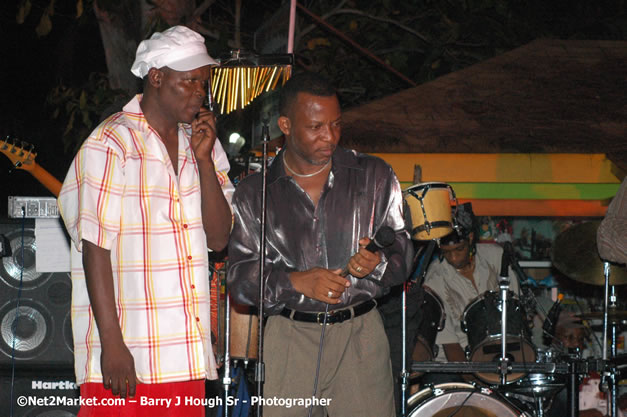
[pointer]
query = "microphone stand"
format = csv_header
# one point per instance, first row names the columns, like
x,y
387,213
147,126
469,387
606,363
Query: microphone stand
x,y
425,260
504,287
226,381
608,379
260,366
404,372
513,262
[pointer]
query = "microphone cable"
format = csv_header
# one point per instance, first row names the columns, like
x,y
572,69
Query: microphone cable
x,y
315,388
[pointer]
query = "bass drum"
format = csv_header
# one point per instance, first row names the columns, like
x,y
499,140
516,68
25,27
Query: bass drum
x,y
460,400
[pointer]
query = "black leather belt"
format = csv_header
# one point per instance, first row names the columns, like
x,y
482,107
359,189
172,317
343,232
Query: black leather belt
x,y
333,317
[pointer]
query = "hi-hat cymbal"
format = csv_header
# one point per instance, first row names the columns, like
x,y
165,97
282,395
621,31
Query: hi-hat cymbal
x,y
575,255
614,316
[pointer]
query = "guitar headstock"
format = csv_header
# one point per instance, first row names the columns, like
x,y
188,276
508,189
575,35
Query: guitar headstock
x,y
22,154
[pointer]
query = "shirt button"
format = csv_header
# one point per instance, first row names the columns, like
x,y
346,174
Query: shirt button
x,y
193,286
189,257
185,226
197,319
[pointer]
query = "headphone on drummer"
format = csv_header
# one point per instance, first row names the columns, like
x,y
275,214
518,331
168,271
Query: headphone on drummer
x,y
464,223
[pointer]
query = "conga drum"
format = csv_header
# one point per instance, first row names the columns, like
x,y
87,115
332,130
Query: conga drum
x,y
428,210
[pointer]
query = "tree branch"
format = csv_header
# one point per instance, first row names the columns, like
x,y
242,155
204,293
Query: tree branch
x,y
324,16
203,30
195,22
202,8
381,19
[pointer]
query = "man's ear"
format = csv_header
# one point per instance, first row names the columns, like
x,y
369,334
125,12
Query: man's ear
x,y
155,76
284,124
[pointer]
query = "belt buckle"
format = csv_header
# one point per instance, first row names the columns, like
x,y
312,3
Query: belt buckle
x,y
320,317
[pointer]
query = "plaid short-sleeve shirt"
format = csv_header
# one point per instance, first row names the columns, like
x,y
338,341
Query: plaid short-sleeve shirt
x,y
122,194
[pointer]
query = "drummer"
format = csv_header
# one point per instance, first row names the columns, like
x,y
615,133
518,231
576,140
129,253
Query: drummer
x,y
466,269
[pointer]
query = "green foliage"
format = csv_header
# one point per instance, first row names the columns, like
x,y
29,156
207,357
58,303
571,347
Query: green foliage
x,y
23,11
424,39
83,107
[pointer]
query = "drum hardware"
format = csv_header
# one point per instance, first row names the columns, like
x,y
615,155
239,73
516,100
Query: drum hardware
x,y
226,380
567,368
575,255
433,321
504,287
428,217
428,210
461,400
613,316
485,340
493,367
608,377
424,260
404,372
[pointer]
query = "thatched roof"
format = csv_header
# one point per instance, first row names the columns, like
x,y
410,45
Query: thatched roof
x,y
547,96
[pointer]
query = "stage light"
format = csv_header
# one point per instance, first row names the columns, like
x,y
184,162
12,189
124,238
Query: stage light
x,y
234,136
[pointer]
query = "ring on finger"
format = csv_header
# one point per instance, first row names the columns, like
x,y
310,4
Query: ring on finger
x,y
358,268
330,293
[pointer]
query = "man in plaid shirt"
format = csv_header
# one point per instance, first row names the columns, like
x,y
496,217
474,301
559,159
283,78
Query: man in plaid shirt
x,y
145,197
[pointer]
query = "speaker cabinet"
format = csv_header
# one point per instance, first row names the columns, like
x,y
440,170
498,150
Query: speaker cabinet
x,y
35,395
35,326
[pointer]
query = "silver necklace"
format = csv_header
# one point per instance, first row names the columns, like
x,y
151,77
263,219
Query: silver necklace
x,y
304,175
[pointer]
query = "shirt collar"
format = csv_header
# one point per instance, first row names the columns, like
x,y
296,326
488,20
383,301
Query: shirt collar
x,y
136,118
342,159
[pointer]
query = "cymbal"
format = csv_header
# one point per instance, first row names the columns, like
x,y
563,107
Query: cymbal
x,y
615,316
575,255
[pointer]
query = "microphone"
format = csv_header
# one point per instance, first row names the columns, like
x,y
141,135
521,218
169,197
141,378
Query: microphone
x,y
550,322
505,265
509,249
383,238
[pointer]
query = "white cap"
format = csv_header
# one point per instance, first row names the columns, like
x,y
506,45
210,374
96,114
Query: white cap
x,y
179,48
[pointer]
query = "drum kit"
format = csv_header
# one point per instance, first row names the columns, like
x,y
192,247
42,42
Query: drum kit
x,y
514,377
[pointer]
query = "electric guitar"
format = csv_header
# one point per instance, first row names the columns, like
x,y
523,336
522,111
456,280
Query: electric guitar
x,y
22,156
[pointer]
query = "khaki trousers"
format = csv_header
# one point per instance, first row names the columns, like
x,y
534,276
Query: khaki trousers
x,y
355,371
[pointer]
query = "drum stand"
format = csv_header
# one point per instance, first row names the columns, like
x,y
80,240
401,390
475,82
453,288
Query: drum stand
x,y
504,287
226,381
404,372
259,365
420,275
608,379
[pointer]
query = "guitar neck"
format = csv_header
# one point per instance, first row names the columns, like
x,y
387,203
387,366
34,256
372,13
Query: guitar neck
x,y
45,178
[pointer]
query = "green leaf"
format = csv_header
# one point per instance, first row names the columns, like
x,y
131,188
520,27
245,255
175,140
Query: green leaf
x,y
86,119
83,100
23,11
45,25
70,124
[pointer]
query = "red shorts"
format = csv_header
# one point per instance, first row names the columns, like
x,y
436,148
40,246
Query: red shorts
x,y
184,399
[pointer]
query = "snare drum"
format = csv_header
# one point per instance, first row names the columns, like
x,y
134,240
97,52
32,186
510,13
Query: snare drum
x,y
544,385
460,400
432,321
481,321
428,210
